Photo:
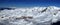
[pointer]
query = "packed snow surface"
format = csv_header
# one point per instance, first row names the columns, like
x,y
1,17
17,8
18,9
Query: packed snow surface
x,y
30,16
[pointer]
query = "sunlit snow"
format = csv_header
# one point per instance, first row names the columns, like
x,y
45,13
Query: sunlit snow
x,y
30,16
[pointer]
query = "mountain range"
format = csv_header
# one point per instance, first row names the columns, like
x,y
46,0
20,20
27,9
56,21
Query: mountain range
x,y
30,16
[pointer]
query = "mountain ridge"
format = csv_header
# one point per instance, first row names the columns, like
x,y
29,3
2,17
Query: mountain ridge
x,y
39,15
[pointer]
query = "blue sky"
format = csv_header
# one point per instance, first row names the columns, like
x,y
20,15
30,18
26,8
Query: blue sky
x,y
29,3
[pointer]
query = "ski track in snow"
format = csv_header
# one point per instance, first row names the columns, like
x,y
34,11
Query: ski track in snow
x,y
30,16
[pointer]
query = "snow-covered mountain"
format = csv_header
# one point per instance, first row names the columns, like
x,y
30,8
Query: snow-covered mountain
x,y
30,16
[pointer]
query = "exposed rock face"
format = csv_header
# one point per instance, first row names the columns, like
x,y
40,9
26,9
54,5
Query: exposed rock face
x,y
6,9
30,16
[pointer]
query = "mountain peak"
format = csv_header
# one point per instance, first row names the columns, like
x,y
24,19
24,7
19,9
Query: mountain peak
x,y
31,16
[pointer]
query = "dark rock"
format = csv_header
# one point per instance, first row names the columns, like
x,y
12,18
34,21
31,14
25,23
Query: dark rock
x,y
44,10
7,8
57,23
